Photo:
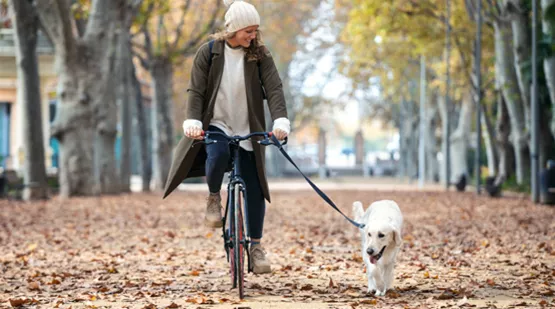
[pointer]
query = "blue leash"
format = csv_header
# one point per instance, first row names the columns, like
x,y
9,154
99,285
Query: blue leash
x,y
320,192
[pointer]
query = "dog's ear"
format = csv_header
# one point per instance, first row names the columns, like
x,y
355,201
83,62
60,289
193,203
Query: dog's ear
x,y
358,210
397,236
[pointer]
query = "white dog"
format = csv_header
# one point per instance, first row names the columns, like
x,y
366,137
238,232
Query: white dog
x,y
381,241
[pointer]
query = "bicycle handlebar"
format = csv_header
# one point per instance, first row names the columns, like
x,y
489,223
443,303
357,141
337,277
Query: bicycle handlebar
x,y
236,138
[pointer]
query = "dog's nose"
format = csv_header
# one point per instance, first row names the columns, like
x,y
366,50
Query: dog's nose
x,y
370,251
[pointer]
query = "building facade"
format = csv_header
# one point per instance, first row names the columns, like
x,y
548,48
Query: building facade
x,y
11,130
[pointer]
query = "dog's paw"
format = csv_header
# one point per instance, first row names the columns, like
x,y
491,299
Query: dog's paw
x,y
380,293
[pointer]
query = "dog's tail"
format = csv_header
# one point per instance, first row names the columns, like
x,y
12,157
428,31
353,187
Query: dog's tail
x,y
358,210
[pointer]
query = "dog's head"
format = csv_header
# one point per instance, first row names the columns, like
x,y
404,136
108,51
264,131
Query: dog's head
x,y
379,237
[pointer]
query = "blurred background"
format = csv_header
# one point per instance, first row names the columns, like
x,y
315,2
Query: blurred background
x,y
93,92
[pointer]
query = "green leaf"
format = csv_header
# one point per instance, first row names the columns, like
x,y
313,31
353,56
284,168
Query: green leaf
x,y
549,14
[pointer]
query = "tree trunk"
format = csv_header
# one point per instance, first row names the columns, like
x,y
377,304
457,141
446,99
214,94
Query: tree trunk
x,y
82,77
459,139
359,148
506,151
142,127
506,73
124,102
403,147
408,140
548,26
432,165
412,145
162,124
106,112
444,113
522,42
489,138
74,129
546,150
26,23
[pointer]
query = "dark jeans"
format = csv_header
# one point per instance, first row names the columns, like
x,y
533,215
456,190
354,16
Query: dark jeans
x,y
217,162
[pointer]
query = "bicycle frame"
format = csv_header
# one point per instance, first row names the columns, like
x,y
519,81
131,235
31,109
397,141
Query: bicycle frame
x,y
235,187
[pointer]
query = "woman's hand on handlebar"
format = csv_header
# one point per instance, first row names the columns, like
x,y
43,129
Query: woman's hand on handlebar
x,y
194,132
279,134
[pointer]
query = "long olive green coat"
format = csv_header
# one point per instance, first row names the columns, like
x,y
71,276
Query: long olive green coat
x,y
189,161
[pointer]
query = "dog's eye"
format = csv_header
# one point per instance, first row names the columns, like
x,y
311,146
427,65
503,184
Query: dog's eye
x,y
369,235
380,235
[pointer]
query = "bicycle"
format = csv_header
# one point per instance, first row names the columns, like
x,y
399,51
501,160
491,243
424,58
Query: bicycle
x,y
236,235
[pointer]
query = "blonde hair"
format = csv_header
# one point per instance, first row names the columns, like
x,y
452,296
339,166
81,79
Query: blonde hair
x,y
253,52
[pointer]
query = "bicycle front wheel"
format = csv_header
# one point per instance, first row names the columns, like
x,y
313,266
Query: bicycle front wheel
x,y
239,240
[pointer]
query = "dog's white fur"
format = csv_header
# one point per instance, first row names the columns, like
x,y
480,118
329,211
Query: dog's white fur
x,y
383,226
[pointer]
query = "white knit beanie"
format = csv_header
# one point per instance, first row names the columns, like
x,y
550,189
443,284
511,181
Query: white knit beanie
x,y
240,15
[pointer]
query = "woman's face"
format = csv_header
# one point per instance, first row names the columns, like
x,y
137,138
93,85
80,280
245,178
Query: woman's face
x,y
244,37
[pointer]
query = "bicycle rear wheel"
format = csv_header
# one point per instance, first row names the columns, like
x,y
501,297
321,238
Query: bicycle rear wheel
x,y
230,232
239,241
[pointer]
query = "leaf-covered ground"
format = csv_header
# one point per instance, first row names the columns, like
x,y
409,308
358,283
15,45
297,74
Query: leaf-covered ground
x,y
138,251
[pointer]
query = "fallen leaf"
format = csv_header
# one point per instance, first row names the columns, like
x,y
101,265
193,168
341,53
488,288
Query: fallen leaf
x,y
54,281
369,301
194,273
34,286
306,287
17,302
448,294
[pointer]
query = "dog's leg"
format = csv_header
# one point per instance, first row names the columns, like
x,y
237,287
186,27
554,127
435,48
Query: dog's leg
x,y
369,270
389,270
371,283
388,276
377,275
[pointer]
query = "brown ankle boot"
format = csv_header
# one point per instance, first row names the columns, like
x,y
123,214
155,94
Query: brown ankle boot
x,y
213,217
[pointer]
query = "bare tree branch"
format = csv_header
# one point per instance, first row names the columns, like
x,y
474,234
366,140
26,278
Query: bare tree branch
x,y
147,48
145,63
56,19
132,7
99,21
191,46
470,9
464,62
181,24
159,33
148,44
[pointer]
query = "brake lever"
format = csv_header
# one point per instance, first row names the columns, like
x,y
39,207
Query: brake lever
x,y
265,142
209,141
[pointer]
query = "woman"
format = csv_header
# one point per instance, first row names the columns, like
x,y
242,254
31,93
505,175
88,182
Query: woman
x,y
225,94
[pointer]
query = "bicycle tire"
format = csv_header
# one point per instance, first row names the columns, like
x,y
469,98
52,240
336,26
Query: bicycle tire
x,y
231,237
239,245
